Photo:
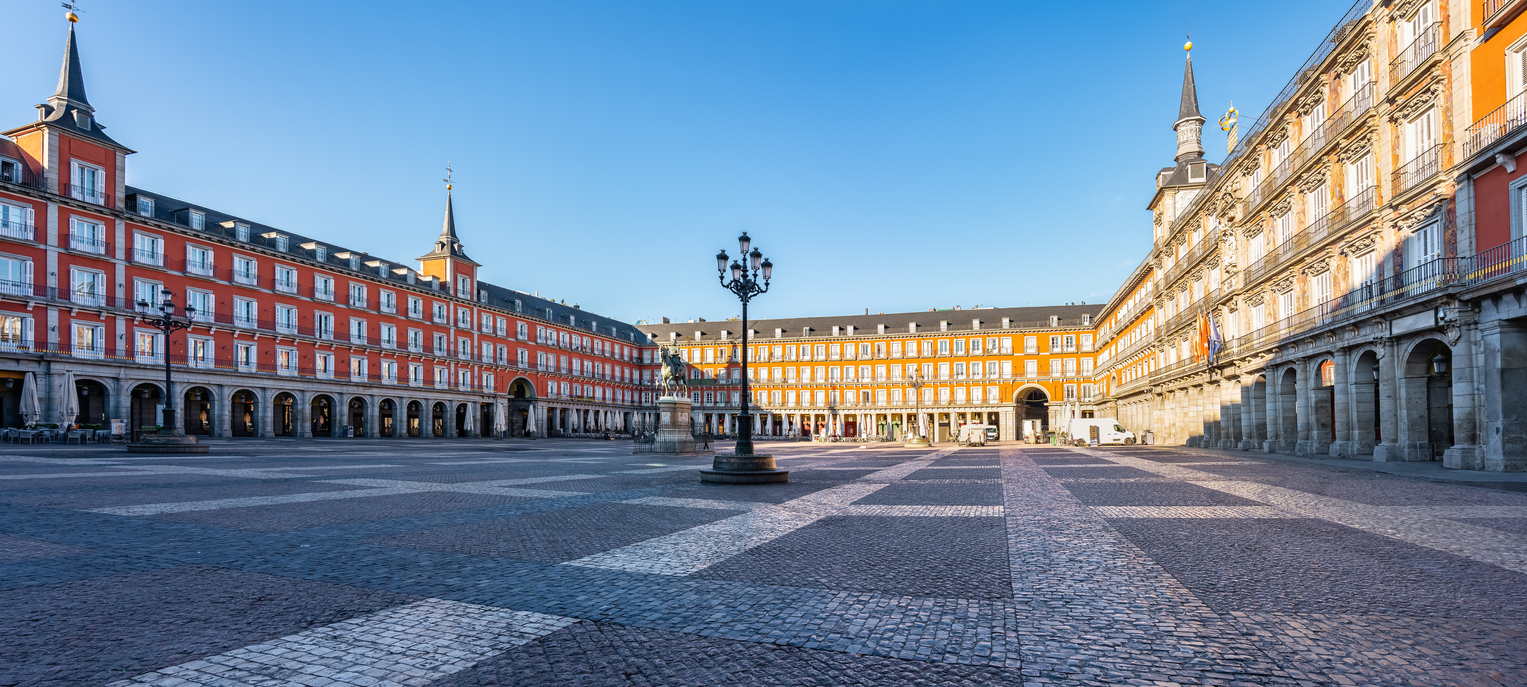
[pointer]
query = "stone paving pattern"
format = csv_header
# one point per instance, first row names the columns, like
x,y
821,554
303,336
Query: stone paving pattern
x,y
574,562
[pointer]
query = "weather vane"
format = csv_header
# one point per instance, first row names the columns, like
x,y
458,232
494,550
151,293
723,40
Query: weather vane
x,y
71,14
1227,124
447,176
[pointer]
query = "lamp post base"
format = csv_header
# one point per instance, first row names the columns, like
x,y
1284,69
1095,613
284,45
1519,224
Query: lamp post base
x,y
918,442
753,468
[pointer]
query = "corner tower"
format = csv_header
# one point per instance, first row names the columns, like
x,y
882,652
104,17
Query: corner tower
x,y
1190,124
1177,186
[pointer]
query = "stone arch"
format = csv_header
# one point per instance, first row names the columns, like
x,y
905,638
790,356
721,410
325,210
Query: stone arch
x,y
1426,399
463,419
1367,406
355,416
283,414
413,425
1032,410
196,410
93,396
387,417
522,387
437,419
143,411
1325,374
321,415
242,414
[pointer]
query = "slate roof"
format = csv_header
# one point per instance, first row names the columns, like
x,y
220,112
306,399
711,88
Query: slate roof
x,y
175,211
69,98
1037,317
1188,108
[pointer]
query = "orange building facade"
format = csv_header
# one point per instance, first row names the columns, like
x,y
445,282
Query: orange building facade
x,y
291,335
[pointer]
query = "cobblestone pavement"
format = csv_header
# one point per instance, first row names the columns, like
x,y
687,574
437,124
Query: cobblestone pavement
x,y
380,563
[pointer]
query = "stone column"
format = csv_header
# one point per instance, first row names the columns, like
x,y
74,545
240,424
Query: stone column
x,y
1303,409
1467,451
1272,404
224,428
1248,417
302,409
265,413
374,417
1342,406
1389,449
1503,371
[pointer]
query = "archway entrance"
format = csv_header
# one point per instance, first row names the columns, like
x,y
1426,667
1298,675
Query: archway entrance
x,y
1033,414
145,410
1427,400
322,418
385,411
241,417
91,397
520,395
1324,407
1366,408
437,420
485,420
282,418
198,411
461,419
1258,412
356,425
415,410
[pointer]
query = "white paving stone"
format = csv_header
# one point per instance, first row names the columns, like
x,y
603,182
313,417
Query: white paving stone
x,y
407,645
1191,512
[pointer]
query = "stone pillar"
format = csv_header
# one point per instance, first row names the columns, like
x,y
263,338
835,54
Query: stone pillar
x,y
1273,405
1413,413
302,408
1390,449
1248,418
374,417
1304,409
1467,451
1503,371
222,418
1342,401
265,413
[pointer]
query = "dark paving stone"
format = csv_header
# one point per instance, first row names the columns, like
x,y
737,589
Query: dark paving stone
x,y
110,628
212,488
952,473
948,557
562,535
1109,472
293,516
20,549
764,493
1512,525
1153,494
1067,460
598,654
1313,566
904,494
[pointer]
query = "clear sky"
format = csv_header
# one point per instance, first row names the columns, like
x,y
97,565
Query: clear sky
x,y
886,154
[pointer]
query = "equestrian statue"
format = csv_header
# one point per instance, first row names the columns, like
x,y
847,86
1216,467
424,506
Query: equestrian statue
x,y
671,378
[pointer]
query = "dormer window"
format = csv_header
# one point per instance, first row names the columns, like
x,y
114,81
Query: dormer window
x,y
879,329
82,119
145,206
320,254
518,306
355,263
241,232
198,220
281,243
10,170
1197,171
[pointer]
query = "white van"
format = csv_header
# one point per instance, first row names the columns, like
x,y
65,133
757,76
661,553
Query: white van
x,y
1099,431
973,435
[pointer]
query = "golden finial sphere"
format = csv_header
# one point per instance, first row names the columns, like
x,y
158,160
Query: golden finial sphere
x,y
447,187
1188,45
72,17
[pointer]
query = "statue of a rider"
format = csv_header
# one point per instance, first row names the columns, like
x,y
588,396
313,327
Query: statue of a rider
x,y
671,378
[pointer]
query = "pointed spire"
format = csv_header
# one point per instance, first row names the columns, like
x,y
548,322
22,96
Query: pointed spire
x,y
1189,107
448,232
71,80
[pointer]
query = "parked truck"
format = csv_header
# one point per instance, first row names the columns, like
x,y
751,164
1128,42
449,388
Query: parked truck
x,y
1099,431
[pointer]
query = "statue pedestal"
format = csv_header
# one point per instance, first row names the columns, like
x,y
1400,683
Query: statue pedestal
x,y
167,444
674,437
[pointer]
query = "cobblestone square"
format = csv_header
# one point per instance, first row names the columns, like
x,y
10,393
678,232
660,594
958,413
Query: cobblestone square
x,y
481,562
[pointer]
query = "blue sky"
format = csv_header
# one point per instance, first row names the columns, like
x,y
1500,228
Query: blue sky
x,y
886,154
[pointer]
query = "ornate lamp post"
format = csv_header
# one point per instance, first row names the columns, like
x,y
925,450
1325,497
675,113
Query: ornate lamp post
x,y
917,383
743,466
168,323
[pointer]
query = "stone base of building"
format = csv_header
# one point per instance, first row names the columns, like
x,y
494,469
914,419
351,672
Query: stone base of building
x,y
1464,458
1342,448
1227,443
730,468
1248,445
167,444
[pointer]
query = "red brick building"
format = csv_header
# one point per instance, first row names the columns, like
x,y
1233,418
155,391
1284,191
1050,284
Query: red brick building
x,y
293,335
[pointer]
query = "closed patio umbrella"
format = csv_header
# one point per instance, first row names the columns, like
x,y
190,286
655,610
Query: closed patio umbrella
x,y
31,410
498,419
69,401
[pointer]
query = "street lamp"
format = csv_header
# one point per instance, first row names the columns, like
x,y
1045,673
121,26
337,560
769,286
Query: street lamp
x,y
168,323
917,383
744,466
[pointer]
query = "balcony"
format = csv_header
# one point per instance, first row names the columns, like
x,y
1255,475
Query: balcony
x,y
1413,55
14,229
1421,168
286,286
89,194
147,257
85,243
1502,122
246,322
202,268
323,294
246,277
358,300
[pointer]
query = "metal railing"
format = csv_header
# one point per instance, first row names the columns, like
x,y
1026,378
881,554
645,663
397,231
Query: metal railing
x,y
1493,7
1411,56
1503,121
89,194
88,244
1423,166
17,230
147,257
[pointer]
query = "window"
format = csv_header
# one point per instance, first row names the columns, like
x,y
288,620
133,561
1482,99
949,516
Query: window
x,y
415,374
321,254
1285,227
16,221
199,260
357,331
521,331
1086,343
1424,246
1516,73
286,279
1320,288
87,236
148,346
1316,203
1055,367
323,365
286,319
441,314
202,301
245,270
87,287
15,276
463,286
88,183
389,302
89,340
1420,135
241,232
389,335
199,220
389,371
323,325
244,356
286,361
415,307
358,295
1286,303
246,312
359,367
1258,316
11,170
1363,269
1256,247
145,206
323,287
416,340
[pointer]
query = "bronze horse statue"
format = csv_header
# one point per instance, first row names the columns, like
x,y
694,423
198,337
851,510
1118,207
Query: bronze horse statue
x,y
671,377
